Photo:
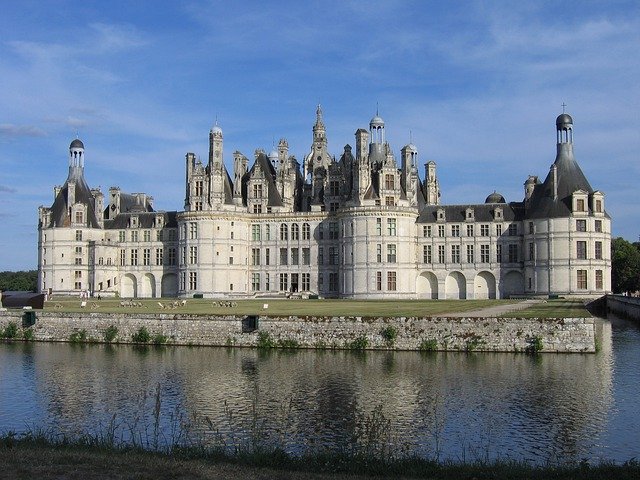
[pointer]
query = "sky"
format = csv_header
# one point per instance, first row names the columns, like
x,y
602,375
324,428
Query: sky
x,y
476,86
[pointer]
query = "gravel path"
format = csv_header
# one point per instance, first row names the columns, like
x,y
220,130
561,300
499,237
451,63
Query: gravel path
x,y
496,311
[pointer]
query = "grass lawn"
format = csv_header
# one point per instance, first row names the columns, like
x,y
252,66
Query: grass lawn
x,y
560,308
276,307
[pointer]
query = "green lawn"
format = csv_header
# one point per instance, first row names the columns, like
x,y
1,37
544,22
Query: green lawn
x,y
280,306
561,308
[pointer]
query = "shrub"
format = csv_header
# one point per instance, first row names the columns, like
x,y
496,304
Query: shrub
x,y
265,340
27,334
389,334
360,343
141,336
110,333
288,343
428,345
79,336
10,331
534,345
159,339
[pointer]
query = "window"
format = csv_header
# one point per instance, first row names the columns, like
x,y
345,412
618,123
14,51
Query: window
x,y
284,282
284,256
78,274
426,254
78,261
580,205
193,280
159,256
146,257
389,201
122,257
391,227
455,253
484,253
333,256
378,280
295,231
531,230
255,282
306,282
455,230
426,231
257,190
134,257
469,230
379,252
333,281
193,255
513,229
159,235
198,206
320,281
78,250
121,236
147,235
378,226
581,225
499,253
134,236
598,226
255,256
599,283
257,208
484,230
172,256
498,230
391,253
284,232
320,256
470,253
295,256
79,217
441,231
333,231
334,188
199,188
306,256
391,281
598,206
531,251
78,235
333,206
441,258
389,182
78,286
581,250
267,282
255,232
582,279
598,250
513,252
267,256
230,260
306,231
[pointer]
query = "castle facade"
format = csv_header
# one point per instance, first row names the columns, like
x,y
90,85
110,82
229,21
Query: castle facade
x,y
364,226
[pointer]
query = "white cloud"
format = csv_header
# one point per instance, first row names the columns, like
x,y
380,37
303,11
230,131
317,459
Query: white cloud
x,y
10,130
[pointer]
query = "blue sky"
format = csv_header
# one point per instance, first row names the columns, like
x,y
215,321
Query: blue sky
x,y
476,85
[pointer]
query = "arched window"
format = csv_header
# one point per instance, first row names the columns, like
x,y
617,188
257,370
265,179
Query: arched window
x,y
306,231
284,232
295,231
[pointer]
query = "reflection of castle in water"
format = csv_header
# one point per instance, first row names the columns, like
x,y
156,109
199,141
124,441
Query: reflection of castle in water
x,y
516,405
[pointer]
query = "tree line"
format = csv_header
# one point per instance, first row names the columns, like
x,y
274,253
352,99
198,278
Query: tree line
x,y
625,271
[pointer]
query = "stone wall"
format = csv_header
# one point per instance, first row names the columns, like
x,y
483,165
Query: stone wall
x,y
453,334
626,306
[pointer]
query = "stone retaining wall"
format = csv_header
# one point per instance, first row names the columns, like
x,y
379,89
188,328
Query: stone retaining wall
x,y
453,334
626,306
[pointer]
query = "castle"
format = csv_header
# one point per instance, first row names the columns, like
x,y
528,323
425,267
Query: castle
x,y
364,226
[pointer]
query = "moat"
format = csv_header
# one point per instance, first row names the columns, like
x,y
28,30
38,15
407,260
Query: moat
x,y
542,408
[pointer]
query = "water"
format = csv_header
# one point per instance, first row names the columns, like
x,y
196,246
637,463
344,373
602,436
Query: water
x,y
456,406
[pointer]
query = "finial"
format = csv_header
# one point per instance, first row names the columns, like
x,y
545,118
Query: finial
x,y
563,105
410,136
377,109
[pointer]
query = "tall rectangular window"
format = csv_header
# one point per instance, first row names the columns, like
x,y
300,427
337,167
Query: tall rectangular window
x,y
193,255
598,226
391,253
599,282
513,252
484,230
513,229
295,231
255,256
193,280
531,228
426,254
267,282
284,282
469,230
484,253
389,182
598,206
426,230
121,236
580,205
284,256
441,231
441,254
320,256
306,231
379,253
581,250
455,230
134,236
159,256
306,256
581,225
333,230
391,281
378,280
255,232
295,256
391,227
499,253
598,250
172,256
267,256
531,251
146,256
134,257
455,253
255,282
306,282
193,230
79,235
333,281
146,235
257,190
333,255
470,252
582,279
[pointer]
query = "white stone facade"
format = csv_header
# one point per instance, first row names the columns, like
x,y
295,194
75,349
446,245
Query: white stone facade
x,y
364,226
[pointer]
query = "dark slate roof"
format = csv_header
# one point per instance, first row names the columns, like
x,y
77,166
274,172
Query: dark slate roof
x,y
60,208
570,179
273,199
145,220
130,203
483,212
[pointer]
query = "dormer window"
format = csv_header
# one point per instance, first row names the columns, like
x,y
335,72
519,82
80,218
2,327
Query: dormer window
x,y
440,215
470,215
497,213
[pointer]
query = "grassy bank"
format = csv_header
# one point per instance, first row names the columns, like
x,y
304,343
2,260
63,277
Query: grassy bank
x,y
285,307
29,457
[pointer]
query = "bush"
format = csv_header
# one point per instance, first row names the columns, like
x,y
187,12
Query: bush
x,y
534,345
360,343
389,334
110,333
27,334
428,345
288,343
265,340
10,331
79,336
141,336
159,339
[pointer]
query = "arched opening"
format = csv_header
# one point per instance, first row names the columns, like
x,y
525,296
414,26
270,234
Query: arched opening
x,y
484,286
129,286
169,287
455,286
427,285
512,283
148,286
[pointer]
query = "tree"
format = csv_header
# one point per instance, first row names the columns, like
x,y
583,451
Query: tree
x,y
21,281
625,266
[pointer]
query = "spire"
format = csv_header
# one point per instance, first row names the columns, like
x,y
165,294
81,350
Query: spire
x,y
319,121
